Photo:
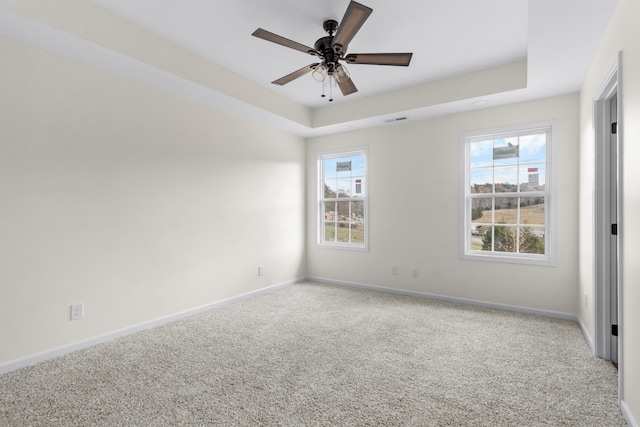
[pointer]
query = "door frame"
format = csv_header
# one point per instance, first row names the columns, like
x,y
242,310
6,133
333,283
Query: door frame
x,y
610,88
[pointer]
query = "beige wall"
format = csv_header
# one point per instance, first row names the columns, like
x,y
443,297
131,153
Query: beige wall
x,y
136,202
414,206
623,35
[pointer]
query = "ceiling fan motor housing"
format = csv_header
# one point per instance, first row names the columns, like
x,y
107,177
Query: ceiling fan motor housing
x,y
325,48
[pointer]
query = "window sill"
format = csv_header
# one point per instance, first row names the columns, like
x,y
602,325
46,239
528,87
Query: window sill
x,y
542,260
347,247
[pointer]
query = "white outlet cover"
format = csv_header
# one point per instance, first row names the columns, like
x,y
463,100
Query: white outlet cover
x,y
77,311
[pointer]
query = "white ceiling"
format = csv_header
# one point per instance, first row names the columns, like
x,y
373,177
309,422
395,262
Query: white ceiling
x,y
557,38
447,37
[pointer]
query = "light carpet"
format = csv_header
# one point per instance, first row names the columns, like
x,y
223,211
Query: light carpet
x,y
314,354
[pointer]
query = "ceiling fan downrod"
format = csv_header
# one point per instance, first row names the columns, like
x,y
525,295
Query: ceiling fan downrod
x,y
330,26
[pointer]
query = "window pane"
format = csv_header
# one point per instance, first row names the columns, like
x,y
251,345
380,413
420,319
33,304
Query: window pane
x,y
343,209
533,148
357,232
505,238
357,165
344,166
532,240
481,211
481,153
532,210
506,210
344,187
329,168
357,211
481,180
357,185
505,151
330,213
532,177
506,179
357,222
342,231
477,236
329,232
330,187
481,238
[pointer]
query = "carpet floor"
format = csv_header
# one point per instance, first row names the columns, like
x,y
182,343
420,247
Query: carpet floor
x,y
318,355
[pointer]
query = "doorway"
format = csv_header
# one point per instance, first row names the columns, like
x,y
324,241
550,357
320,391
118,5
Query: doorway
x,y
611,203
607,242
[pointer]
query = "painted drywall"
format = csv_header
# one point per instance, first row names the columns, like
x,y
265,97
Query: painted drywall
x,y
97,25
136,202
623,35
414,210
499,79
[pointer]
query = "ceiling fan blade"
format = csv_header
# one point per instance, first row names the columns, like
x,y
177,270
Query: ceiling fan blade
x,y
347,87
400,59
353,19
274,38
298,73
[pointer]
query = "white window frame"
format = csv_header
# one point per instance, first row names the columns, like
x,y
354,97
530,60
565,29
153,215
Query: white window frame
x,y
321,156
547,259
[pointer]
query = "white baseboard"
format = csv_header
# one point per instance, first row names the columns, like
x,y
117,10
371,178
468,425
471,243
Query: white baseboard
x,y
60,351
518,309
626,412
13,365
587,336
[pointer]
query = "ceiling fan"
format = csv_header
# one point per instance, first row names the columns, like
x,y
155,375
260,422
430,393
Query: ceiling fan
x,y
332,49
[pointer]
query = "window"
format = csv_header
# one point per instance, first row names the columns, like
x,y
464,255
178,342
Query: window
x,y
507,196
342,209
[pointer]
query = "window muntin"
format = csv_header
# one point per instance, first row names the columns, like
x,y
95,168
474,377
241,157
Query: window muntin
x,y
342,210
507,195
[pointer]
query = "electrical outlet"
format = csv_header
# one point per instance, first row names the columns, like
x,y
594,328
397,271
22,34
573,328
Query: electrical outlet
x,y
261,270
394,270
414,273
77,311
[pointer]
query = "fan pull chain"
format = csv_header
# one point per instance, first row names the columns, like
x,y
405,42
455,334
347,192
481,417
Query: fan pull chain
x,y
330,87
331,82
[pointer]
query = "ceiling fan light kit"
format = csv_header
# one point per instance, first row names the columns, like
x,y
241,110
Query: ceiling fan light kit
x,y
331,49
320,73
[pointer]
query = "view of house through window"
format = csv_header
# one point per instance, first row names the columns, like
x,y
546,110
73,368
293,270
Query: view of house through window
x,y
507,194
342,209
